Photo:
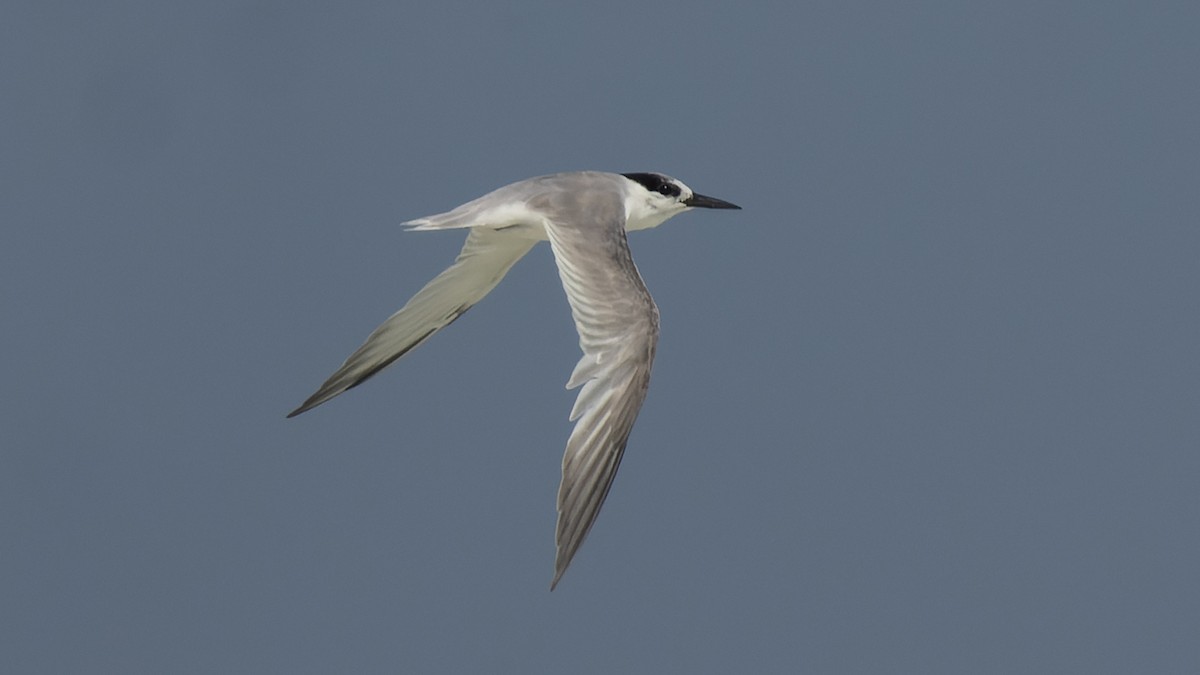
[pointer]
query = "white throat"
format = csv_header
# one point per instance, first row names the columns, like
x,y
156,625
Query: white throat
x,y
644,210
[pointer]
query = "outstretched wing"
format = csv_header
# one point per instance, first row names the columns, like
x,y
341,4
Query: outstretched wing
x,y
485,258
617,323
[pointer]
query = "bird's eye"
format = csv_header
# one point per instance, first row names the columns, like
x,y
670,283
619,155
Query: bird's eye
x,y
668,189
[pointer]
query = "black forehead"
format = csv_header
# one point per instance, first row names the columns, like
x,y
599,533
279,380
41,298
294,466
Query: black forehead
x,y
654,182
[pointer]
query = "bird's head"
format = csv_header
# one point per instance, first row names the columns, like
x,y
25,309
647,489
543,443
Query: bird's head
x,y
652,198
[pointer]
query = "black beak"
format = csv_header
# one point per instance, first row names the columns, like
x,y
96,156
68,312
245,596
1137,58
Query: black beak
x,y
700,201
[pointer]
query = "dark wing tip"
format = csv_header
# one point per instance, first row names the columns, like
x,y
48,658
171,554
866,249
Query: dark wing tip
x,y
309,404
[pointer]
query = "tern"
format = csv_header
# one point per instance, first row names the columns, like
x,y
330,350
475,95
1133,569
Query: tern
x,y
584,215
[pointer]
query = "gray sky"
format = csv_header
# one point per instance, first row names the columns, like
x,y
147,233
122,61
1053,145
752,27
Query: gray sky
x,y
928,404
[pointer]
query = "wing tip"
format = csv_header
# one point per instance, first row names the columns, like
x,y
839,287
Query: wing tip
x,y
322,395
304,407
559,570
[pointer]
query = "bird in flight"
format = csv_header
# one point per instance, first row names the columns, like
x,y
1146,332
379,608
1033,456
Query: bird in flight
x,y
585,216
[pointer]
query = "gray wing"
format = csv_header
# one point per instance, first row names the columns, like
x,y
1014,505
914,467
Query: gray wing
x,y
617,323
485,258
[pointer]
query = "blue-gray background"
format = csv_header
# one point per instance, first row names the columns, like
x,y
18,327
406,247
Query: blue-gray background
x,y
928,404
